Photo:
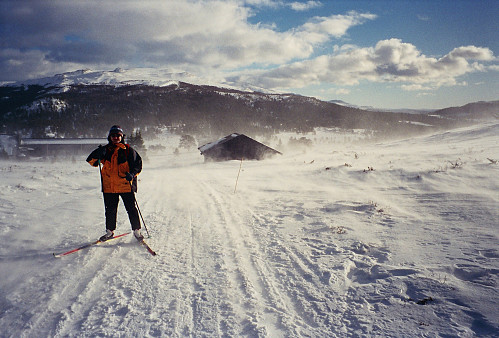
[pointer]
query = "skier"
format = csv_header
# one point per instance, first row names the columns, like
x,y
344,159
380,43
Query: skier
x,y
120,166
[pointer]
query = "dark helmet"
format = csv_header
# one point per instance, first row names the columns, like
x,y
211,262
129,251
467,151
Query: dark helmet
x,y
116,130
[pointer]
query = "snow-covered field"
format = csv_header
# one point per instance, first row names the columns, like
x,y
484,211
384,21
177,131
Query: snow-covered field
x,y
312,244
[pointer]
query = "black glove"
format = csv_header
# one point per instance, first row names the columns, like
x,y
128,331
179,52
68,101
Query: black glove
x,y
129,177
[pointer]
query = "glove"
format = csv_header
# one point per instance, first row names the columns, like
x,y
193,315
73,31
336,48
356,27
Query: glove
x,y
129,177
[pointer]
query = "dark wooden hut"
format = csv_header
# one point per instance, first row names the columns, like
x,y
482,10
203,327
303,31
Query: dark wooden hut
x,y
236,147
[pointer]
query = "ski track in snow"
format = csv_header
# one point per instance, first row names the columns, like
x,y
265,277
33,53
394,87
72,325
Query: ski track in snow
x,y
298,250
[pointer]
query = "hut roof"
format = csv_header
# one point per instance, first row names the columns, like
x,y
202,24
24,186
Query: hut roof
x,y
235,147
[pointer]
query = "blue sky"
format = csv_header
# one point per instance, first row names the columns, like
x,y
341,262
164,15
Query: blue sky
x,y
389,54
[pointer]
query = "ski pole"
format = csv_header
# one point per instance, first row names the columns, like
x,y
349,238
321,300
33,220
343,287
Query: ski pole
x,y
101,181
140,213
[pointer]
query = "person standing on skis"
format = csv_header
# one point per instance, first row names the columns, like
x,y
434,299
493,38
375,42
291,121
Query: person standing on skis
x,y
120,166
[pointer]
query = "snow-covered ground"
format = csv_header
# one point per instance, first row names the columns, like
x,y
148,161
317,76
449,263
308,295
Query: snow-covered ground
x,y
398,238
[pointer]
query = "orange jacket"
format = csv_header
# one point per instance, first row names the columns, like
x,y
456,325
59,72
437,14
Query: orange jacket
x,y
116,162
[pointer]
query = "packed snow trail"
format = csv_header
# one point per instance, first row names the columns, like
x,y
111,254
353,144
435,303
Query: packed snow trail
x,y
308,245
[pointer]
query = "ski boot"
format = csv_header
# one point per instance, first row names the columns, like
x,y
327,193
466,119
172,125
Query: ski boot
x,y
138,235
108,235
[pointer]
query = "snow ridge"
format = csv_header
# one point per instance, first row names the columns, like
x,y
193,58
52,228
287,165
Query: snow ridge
x,y
125,77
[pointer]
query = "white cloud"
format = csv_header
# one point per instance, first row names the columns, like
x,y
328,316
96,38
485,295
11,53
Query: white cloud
x,y
341,91
264,3
416,87
210,35
304,6
423,17
31,63
388,61
214,37
298,6
335,25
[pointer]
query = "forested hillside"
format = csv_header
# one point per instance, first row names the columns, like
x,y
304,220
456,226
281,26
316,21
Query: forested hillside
x,y
89,110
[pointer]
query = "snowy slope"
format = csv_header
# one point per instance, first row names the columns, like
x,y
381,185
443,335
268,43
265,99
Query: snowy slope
x,y
126,77
117,77
309,244
371,108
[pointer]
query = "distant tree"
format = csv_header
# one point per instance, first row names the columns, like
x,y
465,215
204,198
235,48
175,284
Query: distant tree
x,y
137,142
157,147
187,142
302,141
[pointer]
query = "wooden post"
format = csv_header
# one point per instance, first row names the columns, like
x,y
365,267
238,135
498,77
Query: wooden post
x,y
237,179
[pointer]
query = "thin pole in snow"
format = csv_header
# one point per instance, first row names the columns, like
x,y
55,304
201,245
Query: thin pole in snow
x,y
140,213
237,179
101,179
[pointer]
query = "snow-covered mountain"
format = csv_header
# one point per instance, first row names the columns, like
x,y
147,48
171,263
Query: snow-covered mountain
x,y
116,77
394,110
475,110
346,104
166,77
127,77
84,102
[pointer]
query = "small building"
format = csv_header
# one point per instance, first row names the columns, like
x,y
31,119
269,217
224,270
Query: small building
x,y
236,147
60,146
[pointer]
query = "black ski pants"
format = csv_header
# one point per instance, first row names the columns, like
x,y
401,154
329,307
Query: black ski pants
x,y
111,203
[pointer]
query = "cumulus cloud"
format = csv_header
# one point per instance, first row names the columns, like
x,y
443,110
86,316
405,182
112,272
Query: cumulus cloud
x,y
28,64
295,5
304,6
41,38
388,61
334,25
189,35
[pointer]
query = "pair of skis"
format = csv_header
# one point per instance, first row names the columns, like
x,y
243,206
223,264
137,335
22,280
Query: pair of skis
x,y
141,241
